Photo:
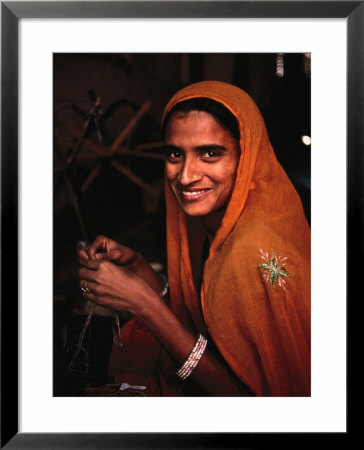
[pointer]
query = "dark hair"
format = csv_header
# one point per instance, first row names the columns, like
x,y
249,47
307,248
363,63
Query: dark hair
x,y
216,109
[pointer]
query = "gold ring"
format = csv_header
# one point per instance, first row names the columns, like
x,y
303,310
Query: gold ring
x,y
85,288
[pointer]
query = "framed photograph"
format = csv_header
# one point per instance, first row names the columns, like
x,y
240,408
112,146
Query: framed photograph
x,y
55,57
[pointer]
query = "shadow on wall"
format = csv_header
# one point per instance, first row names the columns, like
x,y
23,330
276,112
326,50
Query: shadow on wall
x,y
108,166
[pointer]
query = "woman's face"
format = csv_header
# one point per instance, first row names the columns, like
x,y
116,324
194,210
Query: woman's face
x,y
202,158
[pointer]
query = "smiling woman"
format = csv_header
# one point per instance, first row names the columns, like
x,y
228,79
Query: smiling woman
x,y
237,318
202,158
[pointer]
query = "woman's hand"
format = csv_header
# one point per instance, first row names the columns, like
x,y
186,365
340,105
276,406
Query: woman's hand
x,y
115,287
105,249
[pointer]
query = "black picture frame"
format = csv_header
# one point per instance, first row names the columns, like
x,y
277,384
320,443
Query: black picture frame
x,y
11,12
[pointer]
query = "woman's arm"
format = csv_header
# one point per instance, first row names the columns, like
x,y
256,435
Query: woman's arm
x,y
209,373
119,289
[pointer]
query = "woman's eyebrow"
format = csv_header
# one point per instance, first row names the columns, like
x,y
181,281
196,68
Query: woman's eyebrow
x,y
199,148
170,147
207,147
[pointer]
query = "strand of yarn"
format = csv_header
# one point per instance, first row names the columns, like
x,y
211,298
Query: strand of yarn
x,y
83,332
116,332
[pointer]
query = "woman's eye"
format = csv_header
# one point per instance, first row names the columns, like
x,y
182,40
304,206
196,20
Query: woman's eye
x,y
173,155
210,154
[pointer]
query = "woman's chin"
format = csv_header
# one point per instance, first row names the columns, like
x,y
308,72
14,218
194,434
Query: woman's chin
x,y
195,208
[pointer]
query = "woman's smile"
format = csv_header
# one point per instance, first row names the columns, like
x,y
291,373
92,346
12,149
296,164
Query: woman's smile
x,y
194,195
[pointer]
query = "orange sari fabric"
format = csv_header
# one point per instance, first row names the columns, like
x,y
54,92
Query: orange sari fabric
x,y
260,325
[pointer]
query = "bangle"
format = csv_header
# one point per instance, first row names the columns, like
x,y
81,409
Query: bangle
x,y
166,285
192,361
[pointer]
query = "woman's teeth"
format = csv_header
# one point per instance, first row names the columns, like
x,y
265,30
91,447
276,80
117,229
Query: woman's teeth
x,y
192,194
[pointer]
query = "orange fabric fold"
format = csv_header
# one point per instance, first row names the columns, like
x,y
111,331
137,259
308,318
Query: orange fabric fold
x,y
261,330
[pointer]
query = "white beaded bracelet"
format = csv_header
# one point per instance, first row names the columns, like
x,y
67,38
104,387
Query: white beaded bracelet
x,y
193,359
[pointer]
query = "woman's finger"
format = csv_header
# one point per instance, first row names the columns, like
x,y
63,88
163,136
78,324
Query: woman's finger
x,y
92,292
122,255
91,265
83,256
96,290
106,302
89,287
91,296
99,245
87,274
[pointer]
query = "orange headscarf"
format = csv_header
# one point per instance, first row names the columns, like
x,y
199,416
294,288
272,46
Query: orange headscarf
x,y
256,314
254,301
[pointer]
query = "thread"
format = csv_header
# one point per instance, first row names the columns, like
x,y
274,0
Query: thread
x,y
83,332
116,332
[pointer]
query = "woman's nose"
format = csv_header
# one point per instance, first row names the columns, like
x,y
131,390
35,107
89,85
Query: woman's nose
x,y
190,172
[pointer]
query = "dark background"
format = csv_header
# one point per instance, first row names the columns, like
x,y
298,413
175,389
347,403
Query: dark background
x,y
123,196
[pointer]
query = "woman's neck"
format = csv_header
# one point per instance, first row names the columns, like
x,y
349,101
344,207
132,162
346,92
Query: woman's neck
x,y
212,222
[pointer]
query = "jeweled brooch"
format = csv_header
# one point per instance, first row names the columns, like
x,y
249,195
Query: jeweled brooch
x,y
273,269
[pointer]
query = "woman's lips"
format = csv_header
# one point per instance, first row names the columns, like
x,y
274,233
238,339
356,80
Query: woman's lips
x,y
193,195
